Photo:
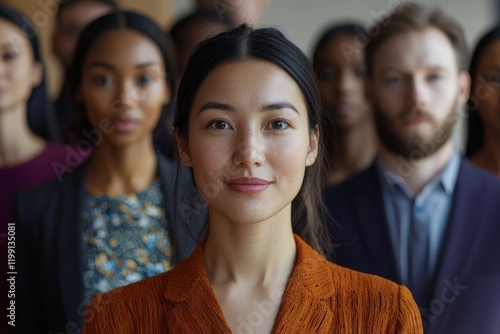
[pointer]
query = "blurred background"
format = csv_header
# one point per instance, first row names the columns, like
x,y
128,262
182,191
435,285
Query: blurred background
x,y
300,20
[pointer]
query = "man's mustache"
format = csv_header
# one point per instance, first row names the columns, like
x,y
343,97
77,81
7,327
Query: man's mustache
x,y
416,112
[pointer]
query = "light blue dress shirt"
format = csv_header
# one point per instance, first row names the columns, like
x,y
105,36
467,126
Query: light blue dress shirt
x,y
431,206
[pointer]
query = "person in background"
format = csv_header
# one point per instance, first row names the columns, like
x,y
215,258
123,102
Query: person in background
x,y
194,28
117,218
238,12
339,64
27,126
483,141
72,17
248,124
421,215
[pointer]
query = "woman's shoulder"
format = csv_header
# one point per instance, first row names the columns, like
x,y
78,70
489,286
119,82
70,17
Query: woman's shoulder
x,y
118,310
168,286
357,282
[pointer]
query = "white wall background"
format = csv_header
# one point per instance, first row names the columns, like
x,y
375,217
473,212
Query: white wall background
x,y
303,20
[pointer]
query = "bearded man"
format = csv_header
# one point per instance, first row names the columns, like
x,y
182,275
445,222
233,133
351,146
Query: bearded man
x,y
421,215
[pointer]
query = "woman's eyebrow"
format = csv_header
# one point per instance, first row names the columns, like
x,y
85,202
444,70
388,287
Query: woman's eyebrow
x,y
216,105
279,106
268,107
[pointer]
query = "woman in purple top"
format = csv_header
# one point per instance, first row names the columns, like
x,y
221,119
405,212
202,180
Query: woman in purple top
x,y
26,118
26,123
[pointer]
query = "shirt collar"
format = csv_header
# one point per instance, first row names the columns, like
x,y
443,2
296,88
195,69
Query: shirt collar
x,y
447,178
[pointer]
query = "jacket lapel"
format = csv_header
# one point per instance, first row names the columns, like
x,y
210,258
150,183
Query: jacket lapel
x,y
197,309
68,252
464,225
310,283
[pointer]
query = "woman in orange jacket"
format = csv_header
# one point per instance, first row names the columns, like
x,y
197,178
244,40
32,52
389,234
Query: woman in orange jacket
x,y
248,125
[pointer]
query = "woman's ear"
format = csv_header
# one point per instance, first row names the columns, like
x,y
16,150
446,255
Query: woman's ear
x,y
183,149
312,154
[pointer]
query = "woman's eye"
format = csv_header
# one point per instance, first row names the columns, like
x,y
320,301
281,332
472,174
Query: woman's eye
x,y
279,125
327,75
220,125
360,73
145,80
9,55
494,78
394,79
102,80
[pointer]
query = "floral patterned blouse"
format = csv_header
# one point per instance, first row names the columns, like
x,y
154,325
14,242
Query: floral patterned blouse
x,y
125,239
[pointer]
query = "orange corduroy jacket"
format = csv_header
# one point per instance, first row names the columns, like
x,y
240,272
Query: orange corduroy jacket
x,y
320,297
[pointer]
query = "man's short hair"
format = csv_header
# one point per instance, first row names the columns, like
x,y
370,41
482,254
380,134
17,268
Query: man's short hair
x,y
416,17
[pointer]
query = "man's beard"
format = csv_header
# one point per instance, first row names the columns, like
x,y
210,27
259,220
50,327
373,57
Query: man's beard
x,y
414,146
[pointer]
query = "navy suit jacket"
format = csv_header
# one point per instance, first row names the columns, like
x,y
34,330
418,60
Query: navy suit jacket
x,y
466,287
50,251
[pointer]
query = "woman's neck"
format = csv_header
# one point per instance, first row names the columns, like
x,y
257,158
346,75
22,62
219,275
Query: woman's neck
x,y
488,155
18,143
122,170
355,150
250,254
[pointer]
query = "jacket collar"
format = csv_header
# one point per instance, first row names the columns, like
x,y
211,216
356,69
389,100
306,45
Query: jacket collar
x,y
310,282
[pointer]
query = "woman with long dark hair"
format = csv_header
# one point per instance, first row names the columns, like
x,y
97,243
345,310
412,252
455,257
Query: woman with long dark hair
x,y
483,141
350,137
248,125
27,126
117,218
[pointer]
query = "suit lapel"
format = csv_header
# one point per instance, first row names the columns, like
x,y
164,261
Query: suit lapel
x,y
464,224
373,227
69,255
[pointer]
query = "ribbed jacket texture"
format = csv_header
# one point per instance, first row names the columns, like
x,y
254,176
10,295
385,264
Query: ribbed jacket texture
x,y
320,297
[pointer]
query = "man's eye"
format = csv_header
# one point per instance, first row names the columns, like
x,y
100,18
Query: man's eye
x,y
434,77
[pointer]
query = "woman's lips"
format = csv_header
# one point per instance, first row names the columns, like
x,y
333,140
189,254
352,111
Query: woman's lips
x,y
125,125
248,185
343,108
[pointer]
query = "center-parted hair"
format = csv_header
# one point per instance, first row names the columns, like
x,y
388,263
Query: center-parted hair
x,y
269,45
123,20
475,127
